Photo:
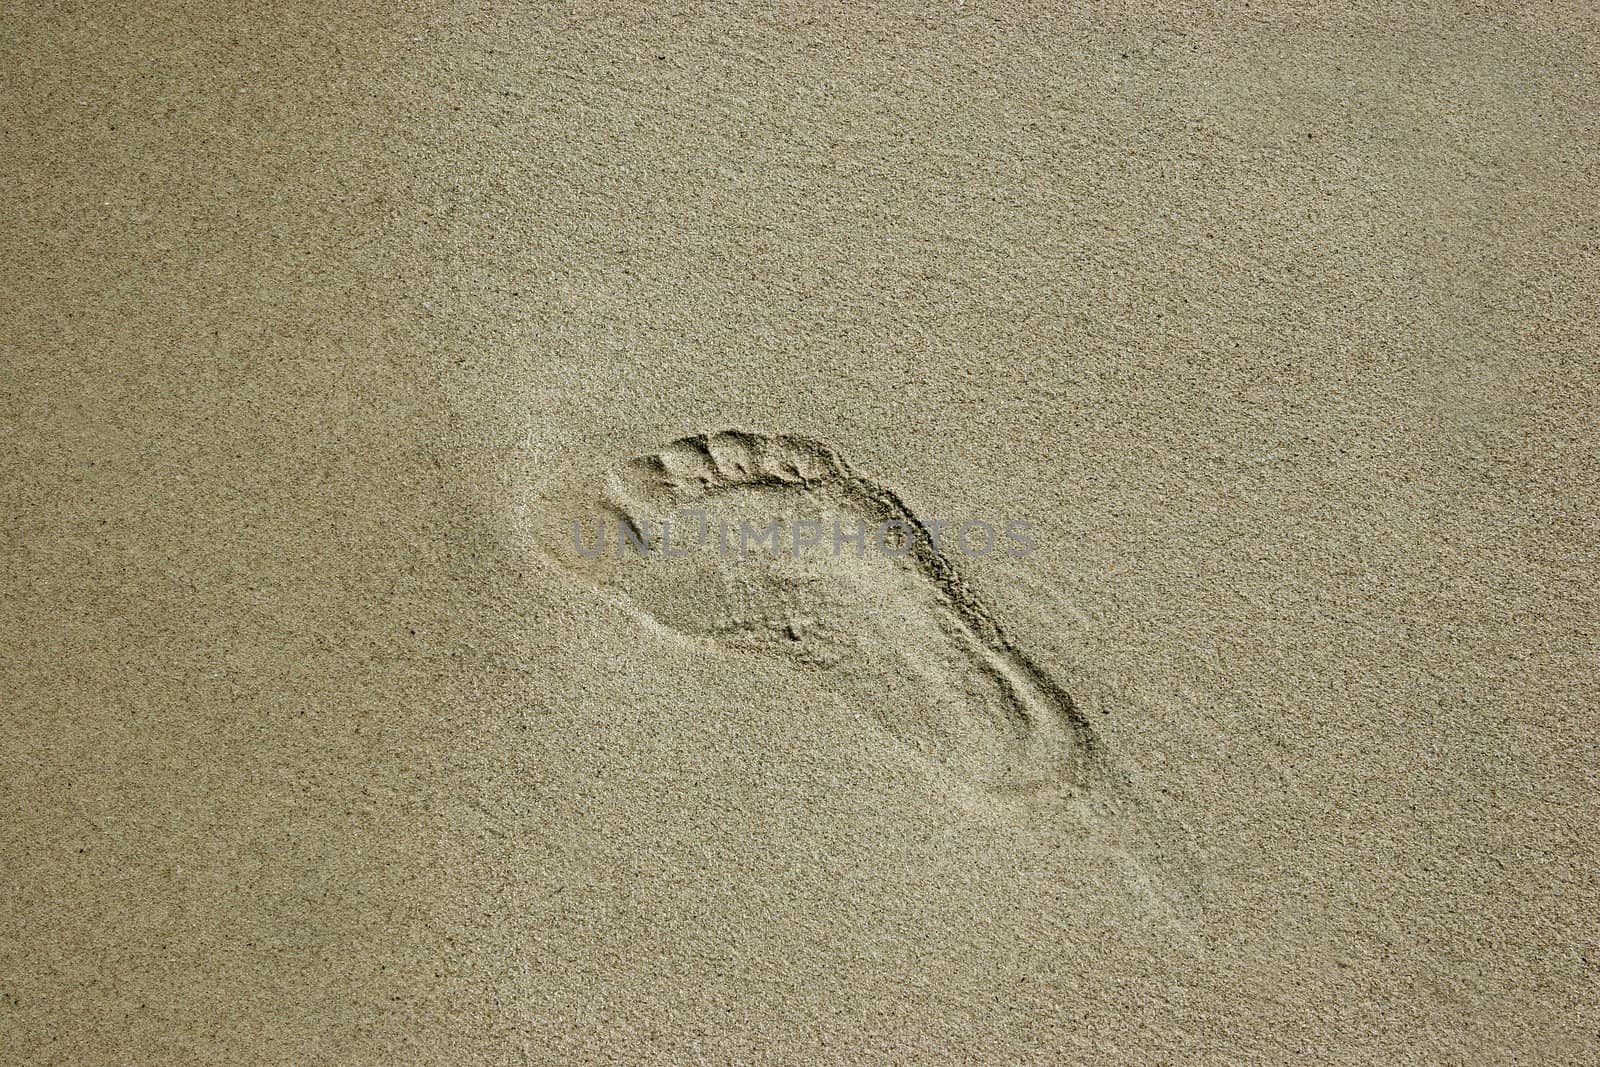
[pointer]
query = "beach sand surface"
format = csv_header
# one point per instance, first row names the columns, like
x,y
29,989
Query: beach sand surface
x,y
320,743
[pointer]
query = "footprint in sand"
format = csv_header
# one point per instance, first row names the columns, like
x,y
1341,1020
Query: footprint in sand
x,y
892,619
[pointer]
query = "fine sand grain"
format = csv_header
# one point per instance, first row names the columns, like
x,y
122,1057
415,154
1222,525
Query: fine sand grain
x,y
1264,343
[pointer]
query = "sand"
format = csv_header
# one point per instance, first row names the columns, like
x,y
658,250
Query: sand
x,y
318,746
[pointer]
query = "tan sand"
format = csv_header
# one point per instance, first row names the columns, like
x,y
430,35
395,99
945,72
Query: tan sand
x,y
318,747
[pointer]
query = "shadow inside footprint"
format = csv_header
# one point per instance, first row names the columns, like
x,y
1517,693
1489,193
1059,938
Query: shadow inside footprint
x,y
773,543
